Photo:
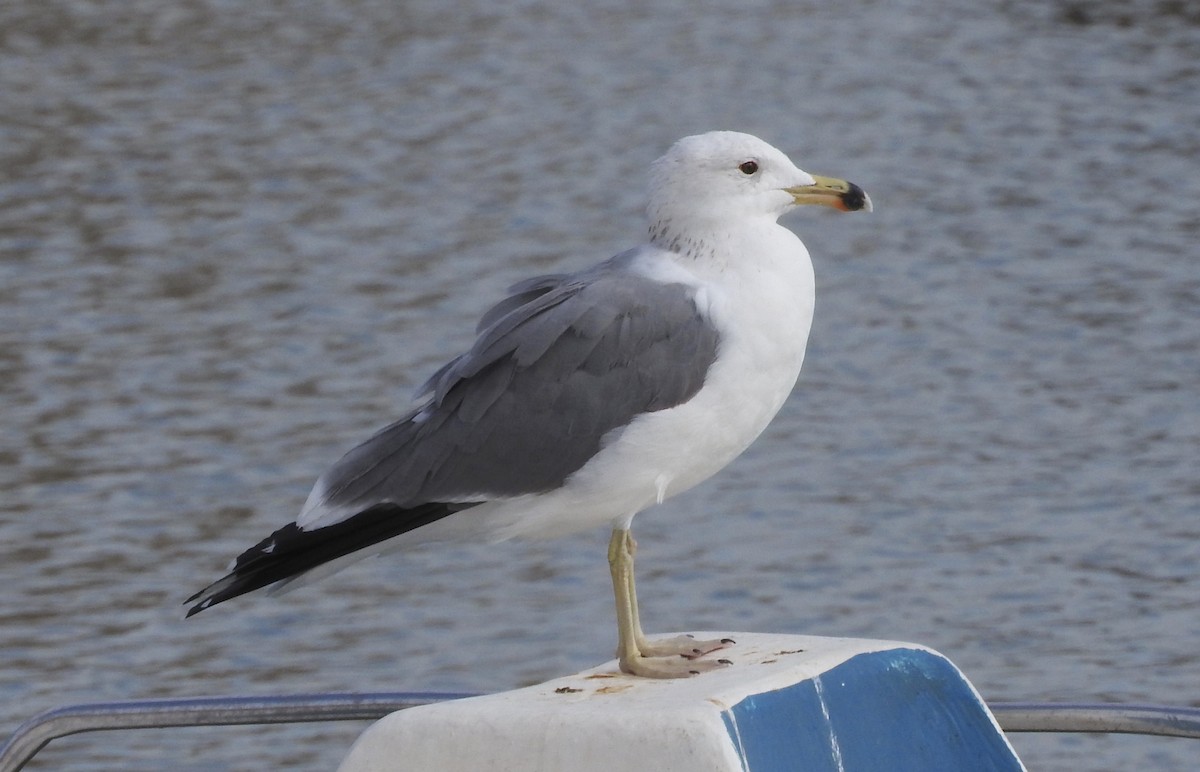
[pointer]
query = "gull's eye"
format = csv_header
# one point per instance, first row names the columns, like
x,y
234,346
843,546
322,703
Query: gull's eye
x,y
748,167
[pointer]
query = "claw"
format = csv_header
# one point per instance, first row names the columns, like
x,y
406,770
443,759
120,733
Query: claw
x,y
670,667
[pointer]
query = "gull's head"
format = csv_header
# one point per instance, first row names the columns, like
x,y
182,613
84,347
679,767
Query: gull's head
x,y
725,176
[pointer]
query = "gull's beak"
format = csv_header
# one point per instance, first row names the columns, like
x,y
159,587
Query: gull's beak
x,y
829,191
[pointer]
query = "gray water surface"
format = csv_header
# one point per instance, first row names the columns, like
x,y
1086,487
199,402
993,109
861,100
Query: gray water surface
x,y
233,238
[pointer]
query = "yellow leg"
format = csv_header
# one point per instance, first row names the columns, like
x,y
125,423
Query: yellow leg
x,y
631,589
672,658
620,565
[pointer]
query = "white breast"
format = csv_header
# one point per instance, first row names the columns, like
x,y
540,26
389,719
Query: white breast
x,y
763,311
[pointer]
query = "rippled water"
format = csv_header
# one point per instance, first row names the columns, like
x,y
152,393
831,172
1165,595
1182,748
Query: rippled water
x,y
234,236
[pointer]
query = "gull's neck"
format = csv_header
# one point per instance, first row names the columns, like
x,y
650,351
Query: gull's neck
x,y
690,244
716,241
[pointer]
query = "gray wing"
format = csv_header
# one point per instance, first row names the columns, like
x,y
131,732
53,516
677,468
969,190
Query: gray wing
x,y
560,363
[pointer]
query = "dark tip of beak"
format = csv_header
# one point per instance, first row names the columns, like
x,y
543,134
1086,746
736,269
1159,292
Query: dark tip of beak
x,y
854,199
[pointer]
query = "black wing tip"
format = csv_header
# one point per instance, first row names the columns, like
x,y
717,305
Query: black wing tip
x,y
229,586
292,551
196,609
246,576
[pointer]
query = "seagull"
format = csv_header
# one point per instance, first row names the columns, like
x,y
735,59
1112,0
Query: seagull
x,y
590,396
